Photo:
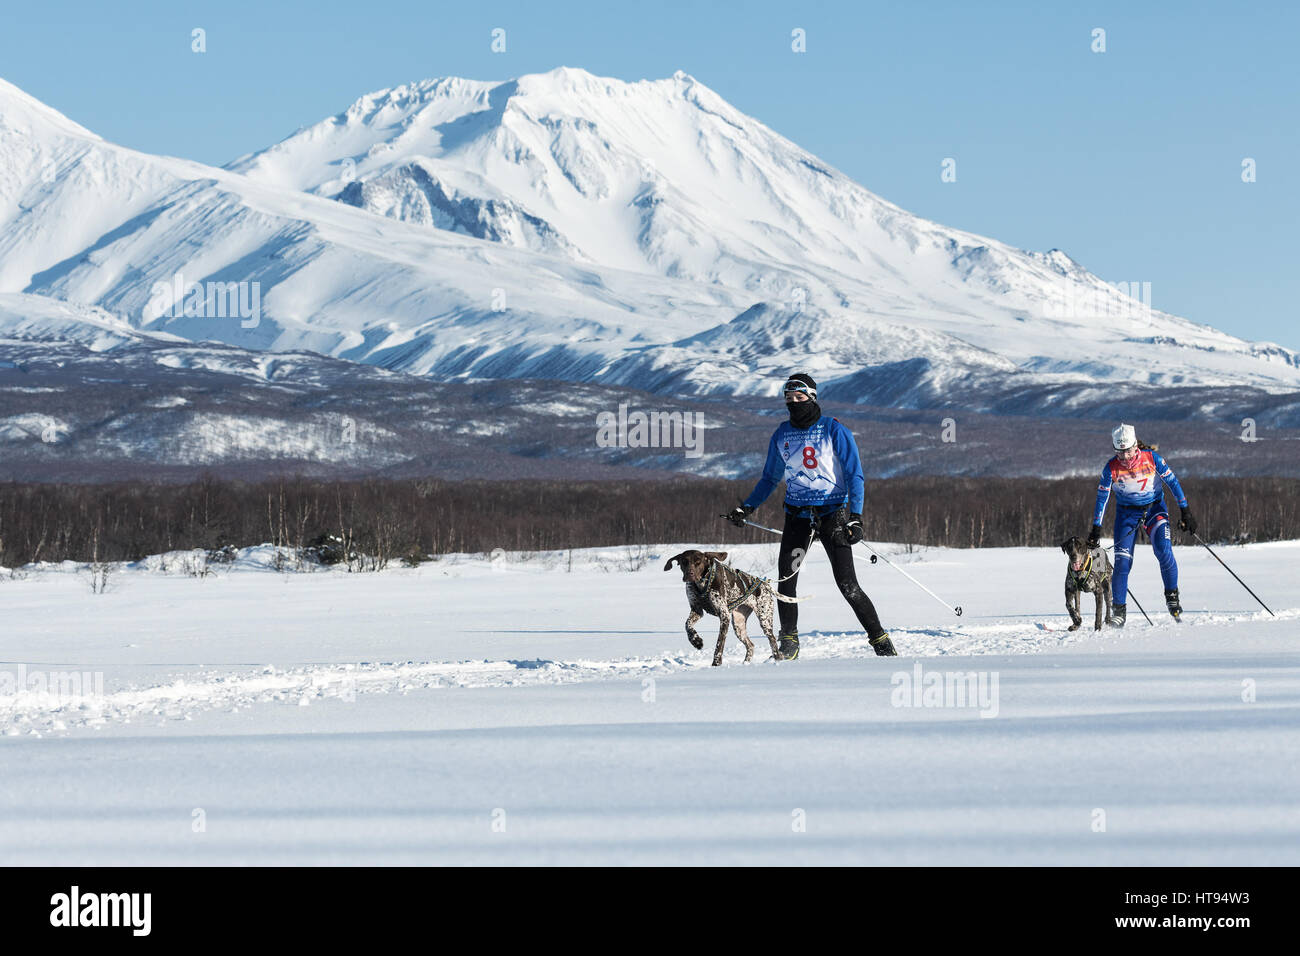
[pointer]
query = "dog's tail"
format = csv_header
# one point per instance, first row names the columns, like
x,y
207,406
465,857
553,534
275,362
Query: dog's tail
x,y
791,600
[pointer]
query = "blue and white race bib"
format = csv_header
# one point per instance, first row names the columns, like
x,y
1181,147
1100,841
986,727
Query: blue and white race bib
x,y
812,472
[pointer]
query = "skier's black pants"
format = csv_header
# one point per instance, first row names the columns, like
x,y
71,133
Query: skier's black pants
x,y
794,543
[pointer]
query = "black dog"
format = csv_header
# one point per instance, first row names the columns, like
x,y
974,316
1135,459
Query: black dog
x,y
1087,571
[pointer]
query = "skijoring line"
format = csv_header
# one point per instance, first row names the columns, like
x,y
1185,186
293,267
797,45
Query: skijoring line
x,y
874,555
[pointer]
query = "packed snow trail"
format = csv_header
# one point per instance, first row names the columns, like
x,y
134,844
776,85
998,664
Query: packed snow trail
x,y
50,706
163,644
398,717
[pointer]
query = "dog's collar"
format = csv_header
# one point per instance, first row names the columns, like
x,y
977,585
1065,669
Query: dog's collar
x,y
1083,572
708,578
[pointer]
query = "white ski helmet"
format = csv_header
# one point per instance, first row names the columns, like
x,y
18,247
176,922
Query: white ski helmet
x,y
1124,437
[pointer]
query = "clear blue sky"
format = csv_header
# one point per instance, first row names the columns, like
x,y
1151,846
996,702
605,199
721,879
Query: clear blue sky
x,y
1129,160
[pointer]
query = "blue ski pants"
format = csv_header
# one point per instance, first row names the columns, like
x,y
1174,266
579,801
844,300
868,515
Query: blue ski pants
x,y
1155,518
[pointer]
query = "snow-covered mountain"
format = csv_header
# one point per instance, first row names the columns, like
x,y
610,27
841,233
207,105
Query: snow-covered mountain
x,y
97,224
565,226
666,178
85,396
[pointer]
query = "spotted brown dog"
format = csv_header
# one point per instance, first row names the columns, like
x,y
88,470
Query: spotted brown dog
x,y
714,587
1088,570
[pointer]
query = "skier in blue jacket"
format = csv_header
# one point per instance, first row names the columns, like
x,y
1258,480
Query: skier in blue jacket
x,y
818,459
1138,476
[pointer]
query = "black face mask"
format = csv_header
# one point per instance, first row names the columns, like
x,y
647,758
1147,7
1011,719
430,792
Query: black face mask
x,y
803,414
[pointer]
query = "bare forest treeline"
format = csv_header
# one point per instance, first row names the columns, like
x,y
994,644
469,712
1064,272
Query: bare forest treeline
x,y
418,518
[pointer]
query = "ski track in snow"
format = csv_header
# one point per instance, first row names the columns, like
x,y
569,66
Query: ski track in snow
x,y
37,712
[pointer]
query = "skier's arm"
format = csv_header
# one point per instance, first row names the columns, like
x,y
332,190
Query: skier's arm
x,y
846,450
773,472
1103,496
1170,479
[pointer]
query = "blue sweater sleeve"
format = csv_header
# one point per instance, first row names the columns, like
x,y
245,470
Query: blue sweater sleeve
x,y
773,473
846,450
1103,495
1170,479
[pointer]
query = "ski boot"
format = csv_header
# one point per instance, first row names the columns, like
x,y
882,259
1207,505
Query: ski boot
x,y
789,646
1118,613
1171,602
883,646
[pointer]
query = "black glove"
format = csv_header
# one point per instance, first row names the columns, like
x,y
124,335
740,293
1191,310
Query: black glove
x,y
1094,537
1188,522
851,530
738,515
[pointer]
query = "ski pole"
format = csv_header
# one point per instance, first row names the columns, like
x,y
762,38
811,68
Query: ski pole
x,y
1232,572
956,610
1141,608
874,554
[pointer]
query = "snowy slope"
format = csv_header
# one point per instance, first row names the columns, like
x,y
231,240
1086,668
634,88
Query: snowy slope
x,y
111,223
384,718
666,177
565,226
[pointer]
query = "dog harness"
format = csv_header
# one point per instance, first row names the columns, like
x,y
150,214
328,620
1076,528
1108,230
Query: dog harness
x,y
1081,576
752,583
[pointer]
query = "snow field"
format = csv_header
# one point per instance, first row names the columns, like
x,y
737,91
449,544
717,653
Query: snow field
x,y
513,711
